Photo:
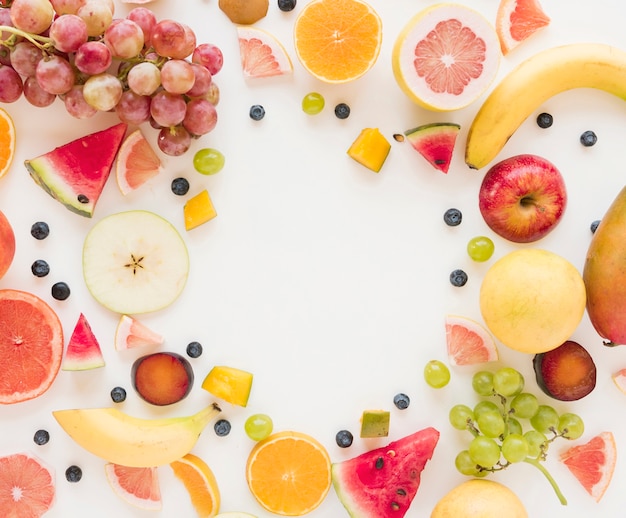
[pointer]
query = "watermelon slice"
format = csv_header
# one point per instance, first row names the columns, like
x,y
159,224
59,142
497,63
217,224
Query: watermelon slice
x,y
76,172
382,483
83,350
435,142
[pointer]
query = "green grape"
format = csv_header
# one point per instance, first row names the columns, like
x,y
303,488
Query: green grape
x,y
480,248
508,382
484,451
436,374
515,447
258,426
514,425
460,416
208,161
485,406
464,464
536,441
571,426
491,424
482,383
524,405
545,420
313,103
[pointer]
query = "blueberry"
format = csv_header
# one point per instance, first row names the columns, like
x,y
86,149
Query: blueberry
x,y
594,226
40,230
401,401
194,349
41,437
588,138
342,111
40,268
180,186
458,278
73,474
257,112
452,217
544,120
118,394
60,290
222,427
344,439
286,5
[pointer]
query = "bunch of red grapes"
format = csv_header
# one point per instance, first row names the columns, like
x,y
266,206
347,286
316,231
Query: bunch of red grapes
x,y
144,69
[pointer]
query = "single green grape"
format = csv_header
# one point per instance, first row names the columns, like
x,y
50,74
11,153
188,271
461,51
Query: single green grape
x,y
313,103
464,464
485,406
460,416
571,426
536,443
208,161
515,447
480,248
258,426
482,383
508,382
491,424
484,451
514,425
545,420
436,374
524,405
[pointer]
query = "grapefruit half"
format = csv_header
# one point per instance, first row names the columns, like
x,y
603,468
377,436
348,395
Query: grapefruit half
x,y
26,486
446,57
262,55
137,486
468,342
136,162
517,20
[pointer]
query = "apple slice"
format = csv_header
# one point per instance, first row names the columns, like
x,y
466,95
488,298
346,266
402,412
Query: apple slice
x,y
135,262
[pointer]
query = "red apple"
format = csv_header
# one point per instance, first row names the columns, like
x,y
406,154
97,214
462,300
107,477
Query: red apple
x,y
7,244
522,198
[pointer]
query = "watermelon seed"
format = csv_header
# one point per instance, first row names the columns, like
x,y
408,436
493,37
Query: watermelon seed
x,y
391,453
398,137
395,506
401,492
380,463
82,198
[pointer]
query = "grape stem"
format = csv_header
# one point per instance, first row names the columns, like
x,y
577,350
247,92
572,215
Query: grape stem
x,y
42,42
540,467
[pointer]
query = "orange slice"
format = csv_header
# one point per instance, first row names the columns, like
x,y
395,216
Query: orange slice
x,y
517,20
337,40
136,162
26,486
289,473
137,486
7,142
200,482
262,55
593,463
468,342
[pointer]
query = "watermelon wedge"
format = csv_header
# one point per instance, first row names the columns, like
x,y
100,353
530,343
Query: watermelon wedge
x,y
83,350
75,173
382,483
435,142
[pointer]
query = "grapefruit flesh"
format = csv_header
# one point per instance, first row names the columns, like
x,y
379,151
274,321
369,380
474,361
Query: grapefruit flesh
x,y
136,162
262,55
31,346
517,20
137,486
468,342
620,380
26,486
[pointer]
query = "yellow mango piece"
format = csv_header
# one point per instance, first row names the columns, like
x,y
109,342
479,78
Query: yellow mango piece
x,y
198,210
375,423
370,149
230,384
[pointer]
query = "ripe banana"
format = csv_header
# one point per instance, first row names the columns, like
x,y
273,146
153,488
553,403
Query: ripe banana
x,y
526,87
131,441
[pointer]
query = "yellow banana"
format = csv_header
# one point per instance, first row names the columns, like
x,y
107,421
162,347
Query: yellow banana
x,y
131,441
526,87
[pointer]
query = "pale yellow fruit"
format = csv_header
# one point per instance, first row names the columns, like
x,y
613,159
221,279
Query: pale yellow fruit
x,y
478,498
532,300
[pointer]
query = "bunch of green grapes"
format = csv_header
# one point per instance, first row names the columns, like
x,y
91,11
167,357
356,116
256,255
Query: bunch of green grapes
x,y
499,437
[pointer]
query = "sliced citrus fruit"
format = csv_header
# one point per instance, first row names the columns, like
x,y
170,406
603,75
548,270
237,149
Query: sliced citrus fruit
x,y
7,244
137,486
26,486
337,40
469,342
620,379
289,473
200,482
31,346
7,142
593,463
517,20
136,162
262,55
131,333
446,57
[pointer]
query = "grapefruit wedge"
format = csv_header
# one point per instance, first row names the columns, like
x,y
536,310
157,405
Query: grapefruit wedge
x,y
468,342
137,486
131,333
136,162
619,378
517,20
262,55
26,486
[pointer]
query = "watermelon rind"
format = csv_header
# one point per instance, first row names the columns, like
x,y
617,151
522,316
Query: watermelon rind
x,y
83,350
382,483
435,142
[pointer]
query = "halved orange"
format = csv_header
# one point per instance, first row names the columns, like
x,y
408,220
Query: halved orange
x,y
137,162
289,473
200,482
517,20
26,486
469,342
137,486
338,40
7,142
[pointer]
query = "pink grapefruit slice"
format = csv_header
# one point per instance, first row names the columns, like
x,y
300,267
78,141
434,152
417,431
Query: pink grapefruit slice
x,y
517,20
469,342
262,55
132,333
137,486
26,486
593,463
137,162
446,57
619,378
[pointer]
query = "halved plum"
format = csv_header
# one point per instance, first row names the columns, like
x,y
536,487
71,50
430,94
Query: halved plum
x,y
162,378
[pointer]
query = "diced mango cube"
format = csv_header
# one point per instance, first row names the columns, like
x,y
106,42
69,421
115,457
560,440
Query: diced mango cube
x,y
375,423
230,384
370,149
198,210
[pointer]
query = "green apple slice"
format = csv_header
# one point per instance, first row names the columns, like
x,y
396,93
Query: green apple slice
x,y
135,262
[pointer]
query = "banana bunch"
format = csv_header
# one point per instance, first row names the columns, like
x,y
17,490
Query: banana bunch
x,y
531,83
130,441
